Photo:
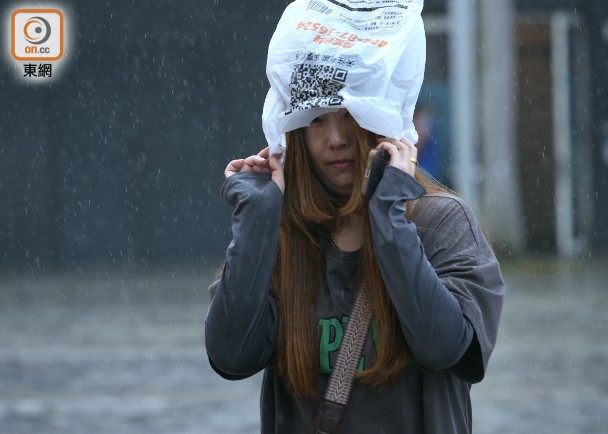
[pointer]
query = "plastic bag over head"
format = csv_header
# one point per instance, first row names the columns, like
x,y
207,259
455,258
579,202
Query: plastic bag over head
x,y
365,56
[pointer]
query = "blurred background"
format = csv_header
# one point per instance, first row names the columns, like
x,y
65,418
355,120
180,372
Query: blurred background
x,y
111,225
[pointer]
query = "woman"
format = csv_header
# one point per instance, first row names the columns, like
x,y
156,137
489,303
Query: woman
x,y
304,238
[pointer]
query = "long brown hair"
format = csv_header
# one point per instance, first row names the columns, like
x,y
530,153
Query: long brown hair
x,y
310,212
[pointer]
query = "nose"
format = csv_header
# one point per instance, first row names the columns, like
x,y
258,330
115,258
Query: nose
x,y
338,130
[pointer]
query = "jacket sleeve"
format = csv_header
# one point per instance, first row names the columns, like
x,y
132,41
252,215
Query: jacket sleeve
x,y
467,266
241,323
433,300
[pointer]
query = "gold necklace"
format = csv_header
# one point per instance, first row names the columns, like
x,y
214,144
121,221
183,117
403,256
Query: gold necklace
x,y
336,245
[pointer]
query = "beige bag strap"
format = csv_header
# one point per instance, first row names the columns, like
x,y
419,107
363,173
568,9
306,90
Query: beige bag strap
x,y
332,408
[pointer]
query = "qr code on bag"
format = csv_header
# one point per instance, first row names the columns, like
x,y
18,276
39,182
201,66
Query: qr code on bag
x,y
316,86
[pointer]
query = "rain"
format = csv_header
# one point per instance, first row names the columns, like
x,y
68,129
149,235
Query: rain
x,y
112,226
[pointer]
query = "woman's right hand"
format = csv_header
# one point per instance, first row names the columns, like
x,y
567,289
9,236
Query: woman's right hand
x,y
259,163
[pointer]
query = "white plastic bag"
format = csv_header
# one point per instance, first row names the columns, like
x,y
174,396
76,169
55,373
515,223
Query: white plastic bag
x,y
365,56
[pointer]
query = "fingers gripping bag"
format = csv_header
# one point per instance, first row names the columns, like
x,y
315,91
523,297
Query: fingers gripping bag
x,y
365,56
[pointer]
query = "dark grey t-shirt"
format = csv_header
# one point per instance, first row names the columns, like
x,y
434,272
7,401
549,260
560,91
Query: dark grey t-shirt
x,y
443,279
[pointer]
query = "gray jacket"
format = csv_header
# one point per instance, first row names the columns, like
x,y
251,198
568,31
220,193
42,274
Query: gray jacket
x,y
441,275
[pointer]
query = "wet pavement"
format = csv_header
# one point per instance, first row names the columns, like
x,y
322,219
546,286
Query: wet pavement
x,y
121,351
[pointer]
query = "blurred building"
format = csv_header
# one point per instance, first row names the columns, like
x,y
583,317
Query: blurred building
x,y
121,159
518,88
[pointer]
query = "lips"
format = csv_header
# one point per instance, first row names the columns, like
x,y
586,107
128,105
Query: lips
x,y
341,164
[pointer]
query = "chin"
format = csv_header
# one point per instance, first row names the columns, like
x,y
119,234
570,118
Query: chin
x,y
342,191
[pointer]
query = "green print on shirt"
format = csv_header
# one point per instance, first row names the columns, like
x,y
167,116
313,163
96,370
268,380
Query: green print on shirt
x,y
332,332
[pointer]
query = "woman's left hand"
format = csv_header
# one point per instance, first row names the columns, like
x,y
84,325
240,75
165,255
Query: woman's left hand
x,y
403,154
